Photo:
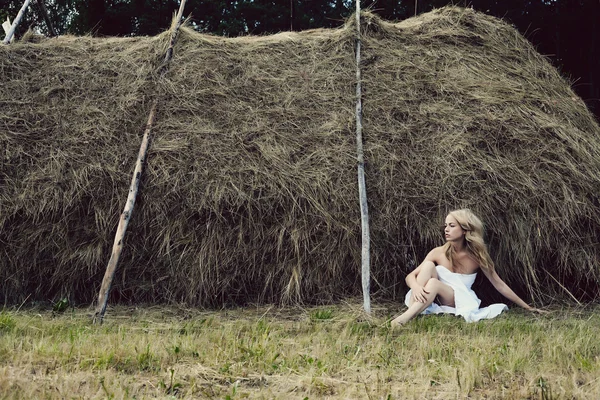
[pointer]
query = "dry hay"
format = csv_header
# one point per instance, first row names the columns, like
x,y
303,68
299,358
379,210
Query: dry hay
x,y
461,111
250,189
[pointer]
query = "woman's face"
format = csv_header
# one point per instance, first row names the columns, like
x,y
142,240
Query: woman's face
x,y
452,230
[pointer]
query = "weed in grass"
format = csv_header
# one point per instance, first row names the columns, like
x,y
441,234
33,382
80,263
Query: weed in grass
x,y
173,388
146,360
388,356
584,363
225,369
361,328
350,352
322,388
105,361
7,322
545,390
277,365
262,328
252,352
108,394
234,388
176,351
120,363
196,326
60,306
321,314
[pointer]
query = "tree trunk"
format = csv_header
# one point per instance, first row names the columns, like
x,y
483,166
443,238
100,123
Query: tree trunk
x,y
46,16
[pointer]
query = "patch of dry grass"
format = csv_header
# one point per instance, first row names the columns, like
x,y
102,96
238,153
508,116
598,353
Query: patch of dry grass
x,y
269,352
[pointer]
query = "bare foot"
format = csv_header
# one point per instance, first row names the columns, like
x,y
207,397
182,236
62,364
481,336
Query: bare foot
x,y
397,323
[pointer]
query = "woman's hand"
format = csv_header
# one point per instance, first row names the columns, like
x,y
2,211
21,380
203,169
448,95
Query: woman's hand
x,y
539,311
419,294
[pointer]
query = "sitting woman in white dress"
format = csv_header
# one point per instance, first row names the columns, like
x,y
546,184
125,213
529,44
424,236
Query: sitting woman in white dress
x,y
448,272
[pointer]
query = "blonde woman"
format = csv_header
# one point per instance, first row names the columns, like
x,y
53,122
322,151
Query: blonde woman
x,y
448,272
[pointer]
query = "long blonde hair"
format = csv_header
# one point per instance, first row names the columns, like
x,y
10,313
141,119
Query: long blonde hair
x,y
475,245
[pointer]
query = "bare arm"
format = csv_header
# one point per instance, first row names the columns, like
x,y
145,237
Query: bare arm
x,y
411,279
506,291
418,291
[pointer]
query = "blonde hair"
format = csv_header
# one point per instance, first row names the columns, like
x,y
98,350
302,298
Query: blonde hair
x,y
475,245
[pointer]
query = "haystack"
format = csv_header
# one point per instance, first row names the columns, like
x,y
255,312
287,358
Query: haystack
x,y
250,189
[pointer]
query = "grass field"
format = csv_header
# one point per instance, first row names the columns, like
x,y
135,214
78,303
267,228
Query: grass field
x,y
297,353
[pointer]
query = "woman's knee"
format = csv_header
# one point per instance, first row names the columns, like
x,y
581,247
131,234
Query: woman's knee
x,y
432,285
429,266
429,270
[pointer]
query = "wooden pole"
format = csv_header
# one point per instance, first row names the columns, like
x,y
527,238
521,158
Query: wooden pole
x,y
362,188
15,23
169,54
133,189
124,221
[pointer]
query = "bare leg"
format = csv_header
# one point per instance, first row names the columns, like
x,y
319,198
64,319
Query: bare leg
x,y
435,288
428,271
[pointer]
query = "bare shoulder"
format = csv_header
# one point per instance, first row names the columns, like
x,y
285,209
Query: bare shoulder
x,y
439,249
437,255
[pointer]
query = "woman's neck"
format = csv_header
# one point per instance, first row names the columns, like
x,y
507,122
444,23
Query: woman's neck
x,y
458,247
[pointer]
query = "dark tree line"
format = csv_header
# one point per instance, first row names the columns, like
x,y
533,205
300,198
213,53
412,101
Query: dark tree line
x,y
567,31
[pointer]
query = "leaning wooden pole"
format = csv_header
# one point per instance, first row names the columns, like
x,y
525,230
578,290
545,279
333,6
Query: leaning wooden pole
x,y
175,27
124,221
133,189
15,23
362,187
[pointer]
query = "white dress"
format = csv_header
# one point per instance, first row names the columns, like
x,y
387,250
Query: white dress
x,y
465,300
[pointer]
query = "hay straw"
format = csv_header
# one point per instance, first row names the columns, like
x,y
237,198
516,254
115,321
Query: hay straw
x,y
463,112
250,193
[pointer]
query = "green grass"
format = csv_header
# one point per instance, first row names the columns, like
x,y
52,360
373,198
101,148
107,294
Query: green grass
x,y
267,352
7,322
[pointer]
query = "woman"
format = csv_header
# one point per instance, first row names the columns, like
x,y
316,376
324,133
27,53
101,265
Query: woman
x,y
448,272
